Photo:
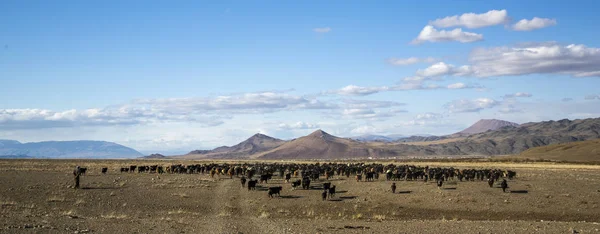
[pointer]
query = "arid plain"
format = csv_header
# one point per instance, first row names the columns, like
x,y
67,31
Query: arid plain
x,y
545,198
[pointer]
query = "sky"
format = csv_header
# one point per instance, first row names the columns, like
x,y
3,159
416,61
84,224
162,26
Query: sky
x,y
174,76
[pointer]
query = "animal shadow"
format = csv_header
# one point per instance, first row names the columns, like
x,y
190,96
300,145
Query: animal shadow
x,y
347,197
519,191
449,188
94,188
290,197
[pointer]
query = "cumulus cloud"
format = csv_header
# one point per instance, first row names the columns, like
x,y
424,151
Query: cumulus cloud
x,y
40,118
441,69
409,61
243,103
533,24
298,125
322,30
519,94
472,20
544,58
205,111
548,58
471,105
431,34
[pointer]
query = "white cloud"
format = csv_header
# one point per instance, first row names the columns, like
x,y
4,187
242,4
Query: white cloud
x,y
441,69
519,94
411,83
471,105
353,90
322,30
409,61
298,125
510,109
430,34
472,20
549,58
243,103
533,24
429,116
363,104
40,118
365,129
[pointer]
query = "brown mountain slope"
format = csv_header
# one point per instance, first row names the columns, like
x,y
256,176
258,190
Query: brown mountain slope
x,y
485,125
318,144
514,140
321,145
253,145
575,151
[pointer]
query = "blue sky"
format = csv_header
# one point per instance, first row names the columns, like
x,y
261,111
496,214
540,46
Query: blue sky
x,y
187,75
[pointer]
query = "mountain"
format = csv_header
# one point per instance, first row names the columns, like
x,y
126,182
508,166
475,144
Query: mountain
x,y
485,125
422,138
379,138
514,140
67,149
318,144
256,144
573,151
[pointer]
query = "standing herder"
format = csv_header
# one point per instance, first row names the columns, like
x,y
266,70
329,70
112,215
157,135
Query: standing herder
x,y
393,187
504,185
77,173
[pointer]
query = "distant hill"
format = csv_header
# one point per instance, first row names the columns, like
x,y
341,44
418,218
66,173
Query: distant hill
x,y
256,144
372,138
422,138
514,140
485,125
581,151
67,149
155,156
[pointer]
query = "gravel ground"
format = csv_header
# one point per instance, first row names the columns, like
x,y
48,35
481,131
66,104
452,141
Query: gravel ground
x,y
36,197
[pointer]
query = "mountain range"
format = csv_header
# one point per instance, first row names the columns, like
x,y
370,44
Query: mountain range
x,y
65,149
486,137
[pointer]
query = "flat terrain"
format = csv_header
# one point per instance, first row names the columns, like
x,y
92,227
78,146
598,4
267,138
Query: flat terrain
x,y
547,198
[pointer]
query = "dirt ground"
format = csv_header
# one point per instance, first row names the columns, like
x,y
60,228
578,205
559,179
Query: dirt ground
x,y
35,197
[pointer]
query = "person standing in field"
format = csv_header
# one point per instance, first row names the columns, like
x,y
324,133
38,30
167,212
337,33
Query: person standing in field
x,y
77,173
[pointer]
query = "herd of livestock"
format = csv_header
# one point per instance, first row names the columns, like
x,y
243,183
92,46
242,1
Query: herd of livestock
x,y
252,174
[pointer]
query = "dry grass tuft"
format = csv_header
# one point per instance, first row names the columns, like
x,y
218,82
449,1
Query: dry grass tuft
x,y
379,217
183,195
114,215
7,203
264,215
357,216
